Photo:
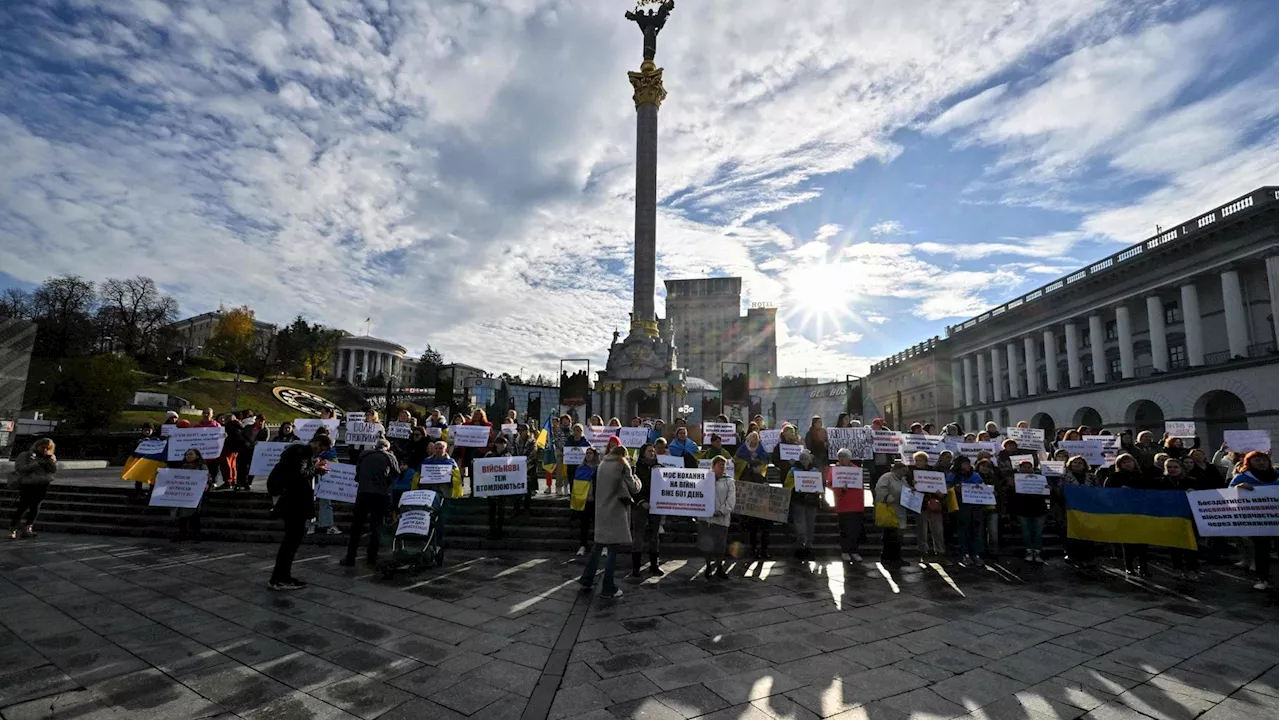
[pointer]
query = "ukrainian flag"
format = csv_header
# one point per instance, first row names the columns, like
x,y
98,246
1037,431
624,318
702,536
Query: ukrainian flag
x,y
142,467
544,443
1124,515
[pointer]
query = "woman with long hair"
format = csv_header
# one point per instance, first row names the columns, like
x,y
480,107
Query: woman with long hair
x,y
1258,471
815,440
1128,474
33,471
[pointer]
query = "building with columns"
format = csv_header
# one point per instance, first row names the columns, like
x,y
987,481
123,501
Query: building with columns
x,y
361,359
913,385
1181,326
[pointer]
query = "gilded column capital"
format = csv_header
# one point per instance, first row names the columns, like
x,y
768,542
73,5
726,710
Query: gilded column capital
x,y
647,85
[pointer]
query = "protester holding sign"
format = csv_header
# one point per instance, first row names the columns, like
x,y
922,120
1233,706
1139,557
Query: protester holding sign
x,y
1029,504
713,532
816,441
715,449
1076,472
644,527
581,501
971,518
291,483
576,440
1128,474
804,506
850,505
1258,472
888,499
496,503
615,488
440,473
1186,563
758,529
683,447
749,450
921,477
188,519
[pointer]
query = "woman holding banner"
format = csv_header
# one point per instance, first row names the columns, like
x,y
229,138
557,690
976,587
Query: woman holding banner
x,y
749,450
804,507
816,442
929,537
972,517
1128,474
1030,509
850,505
1258,471
644,527
188,519
683,447
713,532
581,503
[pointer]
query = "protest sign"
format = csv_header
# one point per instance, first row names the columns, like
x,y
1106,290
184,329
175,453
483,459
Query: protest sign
x,y
971,450
1055,468
705,463
355,416
305,428
495,476
1108,442
208,440
363,434
472,436
808,481
166,429
930,481
846,477
911,499
149,447
435,474
1027,438
339,483
1242,441
1180,428
178,488
930,445
668,460
1016,460
265,457
434,432
728,432
761,500
633,437
599,436
414,522
769,439
399,430
420,498
576,455
787,451
1233,512
1090,450
1030,484
684,492
885,442
510,429
980,494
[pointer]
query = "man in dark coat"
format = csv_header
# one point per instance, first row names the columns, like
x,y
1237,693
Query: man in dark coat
x,y
291,485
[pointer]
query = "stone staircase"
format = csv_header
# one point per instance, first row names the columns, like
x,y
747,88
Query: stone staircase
x,y
549,526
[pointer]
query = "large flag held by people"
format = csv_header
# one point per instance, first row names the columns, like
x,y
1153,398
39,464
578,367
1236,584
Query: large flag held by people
x,y
145,461
1125,515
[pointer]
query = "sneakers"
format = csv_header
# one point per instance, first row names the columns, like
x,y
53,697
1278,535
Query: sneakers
x,y
722,574
13,534
966,561
1264,586
582,550
844,556
333,531
285,586
1035,557
978,562
347,562
612,596
311,529
1029,557
656,571
855,557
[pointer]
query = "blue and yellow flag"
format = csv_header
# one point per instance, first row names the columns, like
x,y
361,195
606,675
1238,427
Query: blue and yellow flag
x,y
1124,515
544,435
145,461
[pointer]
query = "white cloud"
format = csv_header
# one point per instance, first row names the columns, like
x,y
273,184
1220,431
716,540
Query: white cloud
x,y
888,227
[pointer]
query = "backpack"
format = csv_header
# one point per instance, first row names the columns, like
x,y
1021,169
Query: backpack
x,y
277,479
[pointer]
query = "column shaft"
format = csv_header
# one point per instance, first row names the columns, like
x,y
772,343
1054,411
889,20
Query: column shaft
x,y
1029,360
957,383
1124,330
1051,361
1273,284
1098,349
997,387
1011,350
1073,354
982,377
1158,334
967,362
1233,310
646,212
1191,324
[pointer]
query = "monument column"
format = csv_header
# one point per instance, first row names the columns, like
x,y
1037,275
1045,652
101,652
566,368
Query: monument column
x,y
648,95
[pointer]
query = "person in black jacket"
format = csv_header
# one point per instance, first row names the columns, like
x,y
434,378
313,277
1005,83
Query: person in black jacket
x,y
375,472
291,483
644,527
286,434
1128,474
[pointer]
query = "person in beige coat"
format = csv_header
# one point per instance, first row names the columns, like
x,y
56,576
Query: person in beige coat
x,y
889,491
614,489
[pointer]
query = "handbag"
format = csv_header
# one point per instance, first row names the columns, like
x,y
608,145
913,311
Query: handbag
x,y
933,505
886,516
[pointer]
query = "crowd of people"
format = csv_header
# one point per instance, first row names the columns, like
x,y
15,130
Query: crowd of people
x,y
609,488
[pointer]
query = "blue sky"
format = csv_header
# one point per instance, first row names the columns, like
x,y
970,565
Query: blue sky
x,y
463,172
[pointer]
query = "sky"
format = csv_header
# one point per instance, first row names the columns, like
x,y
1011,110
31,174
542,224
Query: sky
x,y
462,171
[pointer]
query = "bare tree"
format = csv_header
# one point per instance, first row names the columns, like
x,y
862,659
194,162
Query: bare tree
x,y
62,307
15,303
138,311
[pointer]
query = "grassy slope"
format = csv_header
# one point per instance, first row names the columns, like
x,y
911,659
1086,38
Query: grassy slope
x,y
217,394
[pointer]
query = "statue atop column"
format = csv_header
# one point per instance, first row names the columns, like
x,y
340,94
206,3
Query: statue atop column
x,y
651,24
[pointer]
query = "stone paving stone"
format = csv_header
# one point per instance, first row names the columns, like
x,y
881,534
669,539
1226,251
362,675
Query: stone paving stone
x,y
509,676
1003,617
782,651
624,688
1140,659
781,707
373,661
627,663
424,650
34,682
571,702
1023,706
235,687
1038,663
150,695
875,654
1070,693
677,676
1186,682
299,706
524,654
68,643
578,673
1131,627
976,688
737,662
818,668
181,657
954,660
303,671
923,703
738,712
1266,683
1233,709
871,632
99,663
468,697
1236,667
1092,641
645,708
1078,618
1100,680
364,697
1163,704
753,685
930,673
692,701
425,681
682,652
75,705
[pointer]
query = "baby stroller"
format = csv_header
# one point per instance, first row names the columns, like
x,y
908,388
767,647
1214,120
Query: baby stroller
x,y
415,537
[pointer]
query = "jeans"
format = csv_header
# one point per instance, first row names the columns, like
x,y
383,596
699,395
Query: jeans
x,y
644,530
1032,532
295,527
371,507
585,520
892,540
929,537
850,529
497,509
804,517
324,513
971,529
29,499
1262,557
607,587
992,519
758,533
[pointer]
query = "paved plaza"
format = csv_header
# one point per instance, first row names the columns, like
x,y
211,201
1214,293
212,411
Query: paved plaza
x,y
122,628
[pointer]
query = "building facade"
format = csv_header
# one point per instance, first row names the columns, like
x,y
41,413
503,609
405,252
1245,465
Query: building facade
x,y
360,360
191,336
1181,326
913,386
709,329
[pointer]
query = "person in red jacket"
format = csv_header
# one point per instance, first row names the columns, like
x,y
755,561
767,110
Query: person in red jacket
x,y
849,508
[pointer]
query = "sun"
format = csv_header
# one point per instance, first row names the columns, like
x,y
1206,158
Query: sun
x,y
820,295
